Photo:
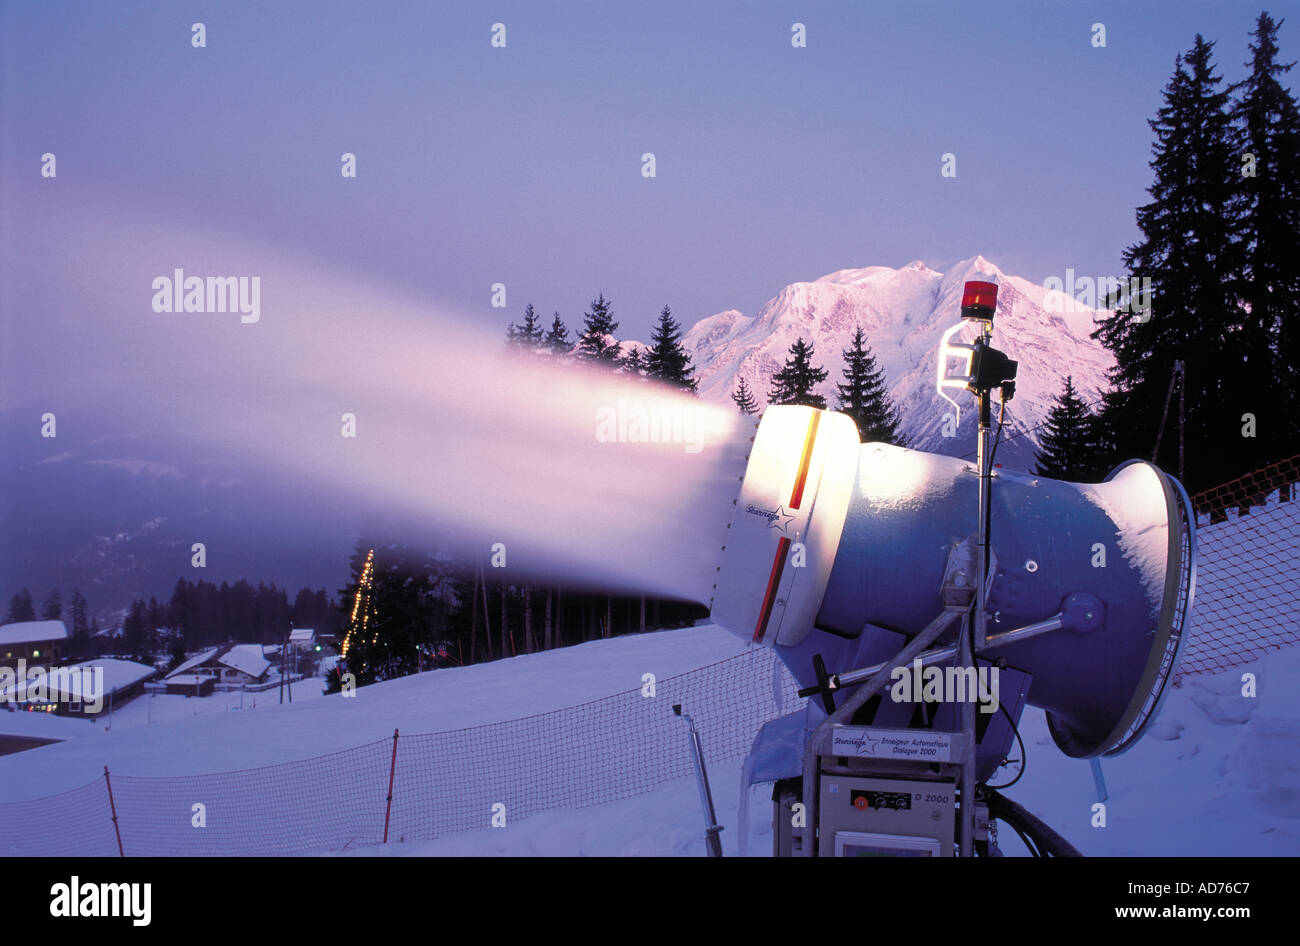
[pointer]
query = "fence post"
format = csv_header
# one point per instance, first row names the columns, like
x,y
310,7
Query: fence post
x,y
113,808
392,770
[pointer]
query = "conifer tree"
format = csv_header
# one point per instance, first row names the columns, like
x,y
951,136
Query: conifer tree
x,y
744,398
396,610
632,362
1268,126
20,607
1068,449
557,339
80,609
526,335
864,395
667,361
596,344
135,632
1190,252
794,383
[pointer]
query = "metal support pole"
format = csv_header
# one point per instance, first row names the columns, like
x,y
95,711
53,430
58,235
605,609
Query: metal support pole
x,y
967,824
845,712
973,638
113,808
1182,398
984,460
711,826
1099,780
839,681
392,770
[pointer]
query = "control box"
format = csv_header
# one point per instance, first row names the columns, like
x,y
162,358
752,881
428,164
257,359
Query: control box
x,y
861,816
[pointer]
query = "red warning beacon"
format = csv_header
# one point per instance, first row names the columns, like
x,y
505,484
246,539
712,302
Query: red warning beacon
x,y
978,300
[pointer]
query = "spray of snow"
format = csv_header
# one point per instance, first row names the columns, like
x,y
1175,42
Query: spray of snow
x,y
410,420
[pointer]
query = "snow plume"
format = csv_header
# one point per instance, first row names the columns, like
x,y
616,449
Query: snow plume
x,y
374,405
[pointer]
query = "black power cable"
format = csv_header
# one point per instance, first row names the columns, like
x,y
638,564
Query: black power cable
x,y
1002,411
1024,756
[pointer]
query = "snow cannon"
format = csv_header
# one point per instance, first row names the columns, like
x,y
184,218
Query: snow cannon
x,y
924,639
841,553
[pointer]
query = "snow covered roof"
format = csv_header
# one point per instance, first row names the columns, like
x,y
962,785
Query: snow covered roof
x,y
114,675
198,659
119,674
246,658
28,632
189,679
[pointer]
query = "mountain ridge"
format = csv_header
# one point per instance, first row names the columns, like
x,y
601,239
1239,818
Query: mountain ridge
x,y
903,312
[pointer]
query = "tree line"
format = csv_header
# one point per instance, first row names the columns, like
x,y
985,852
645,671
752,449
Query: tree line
x,y
863,393
416,608
199,614
411,608
83,625
664,361
1207,383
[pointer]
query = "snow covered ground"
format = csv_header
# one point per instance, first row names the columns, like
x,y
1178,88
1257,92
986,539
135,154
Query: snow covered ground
x,y
1219,775
177,735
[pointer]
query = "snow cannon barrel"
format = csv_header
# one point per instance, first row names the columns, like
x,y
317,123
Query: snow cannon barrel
x,y
839,549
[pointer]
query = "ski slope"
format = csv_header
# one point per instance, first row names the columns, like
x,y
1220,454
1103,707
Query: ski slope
x,y
1220,774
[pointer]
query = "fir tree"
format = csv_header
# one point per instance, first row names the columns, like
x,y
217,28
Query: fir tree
x,y
398,611
633,363
596,343
80,627
1190,252
557,339
1268,125
52,609
135,632
1068,450
794,383
20,607
864,395
744,398
79,632
527,335
667,361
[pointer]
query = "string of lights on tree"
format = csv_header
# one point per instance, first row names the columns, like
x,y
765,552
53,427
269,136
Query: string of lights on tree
x,y
360,617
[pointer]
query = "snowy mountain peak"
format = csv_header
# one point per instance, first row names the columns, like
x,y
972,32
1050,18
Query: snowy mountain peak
x,y
904,312
977,266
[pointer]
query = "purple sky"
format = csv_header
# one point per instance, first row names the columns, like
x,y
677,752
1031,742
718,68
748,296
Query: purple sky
x,y
477,166
522,165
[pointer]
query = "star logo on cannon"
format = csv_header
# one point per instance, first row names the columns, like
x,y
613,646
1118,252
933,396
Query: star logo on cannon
x,y
781,519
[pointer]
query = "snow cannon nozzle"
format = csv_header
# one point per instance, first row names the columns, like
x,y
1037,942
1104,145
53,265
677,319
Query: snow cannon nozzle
x,y
839,550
